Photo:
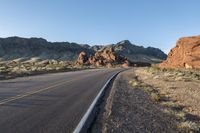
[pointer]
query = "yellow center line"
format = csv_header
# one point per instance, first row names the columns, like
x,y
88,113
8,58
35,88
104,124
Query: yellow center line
x,y
34,92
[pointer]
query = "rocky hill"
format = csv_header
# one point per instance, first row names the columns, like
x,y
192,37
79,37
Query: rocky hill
x,y
15,47
38,48
135,53
186,54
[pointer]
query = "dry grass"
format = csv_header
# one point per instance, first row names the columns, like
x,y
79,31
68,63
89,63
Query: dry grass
x,y
187,73
153,93
155,96
181,88
178,115
189,126
11,69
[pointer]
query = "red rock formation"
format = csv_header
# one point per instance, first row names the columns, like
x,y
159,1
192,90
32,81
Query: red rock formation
x,y
82,58
106,57
126,64
186,54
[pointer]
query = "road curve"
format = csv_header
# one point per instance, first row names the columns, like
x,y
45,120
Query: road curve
x,y
49,103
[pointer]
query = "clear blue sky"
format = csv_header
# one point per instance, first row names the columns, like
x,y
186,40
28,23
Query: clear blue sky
x,y
157,23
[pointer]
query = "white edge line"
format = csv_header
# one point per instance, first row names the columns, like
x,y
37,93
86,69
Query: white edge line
x,y
87,114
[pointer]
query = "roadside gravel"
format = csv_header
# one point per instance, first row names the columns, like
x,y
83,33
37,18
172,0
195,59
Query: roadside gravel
x,y
129,110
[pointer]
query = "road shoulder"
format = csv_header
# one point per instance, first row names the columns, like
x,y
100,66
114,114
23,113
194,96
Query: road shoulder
x,y
131,110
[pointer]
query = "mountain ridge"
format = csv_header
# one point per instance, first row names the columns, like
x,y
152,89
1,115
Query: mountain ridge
x,y
18,47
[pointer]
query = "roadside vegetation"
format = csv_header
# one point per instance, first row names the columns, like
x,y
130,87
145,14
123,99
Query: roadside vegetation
x,y
191,74
176,90
11,69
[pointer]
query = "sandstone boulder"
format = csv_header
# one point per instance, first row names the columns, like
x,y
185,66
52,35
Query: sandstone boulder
x,y
126,64
186,54
82,58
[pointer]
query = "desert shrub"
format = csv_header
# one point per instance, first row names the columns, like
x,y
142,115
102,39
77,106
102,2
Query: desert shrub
x,y
155,96
188,126
155,69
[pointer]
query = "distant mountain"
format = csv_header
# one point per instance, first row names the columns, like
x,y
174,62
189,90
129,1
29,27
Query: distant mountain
x,y
139,53
134,52
16,47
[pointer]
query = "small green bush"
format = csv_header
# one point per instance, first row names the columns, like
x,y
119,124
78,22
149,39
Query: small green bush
x,y
155,96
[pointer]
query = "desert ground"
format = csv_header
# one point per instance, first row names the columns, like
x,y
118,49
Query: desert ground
x,y
149,99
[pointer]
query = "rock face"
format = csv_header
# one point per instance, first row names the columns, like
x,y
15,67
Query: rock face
x,y
106,57
186,54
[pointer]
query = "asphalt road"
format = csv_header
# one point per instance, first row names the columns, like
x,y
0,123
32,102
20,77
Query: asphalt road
x,y
50,103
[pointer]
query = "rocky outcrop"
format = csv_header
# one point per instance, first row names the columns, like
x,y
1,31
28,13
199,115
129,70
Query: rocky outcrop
x,y
82,58
186,54
106,57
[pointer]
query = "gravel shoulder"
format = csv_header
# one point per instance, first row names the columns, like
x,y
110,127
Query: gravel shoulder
x,y
132,110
